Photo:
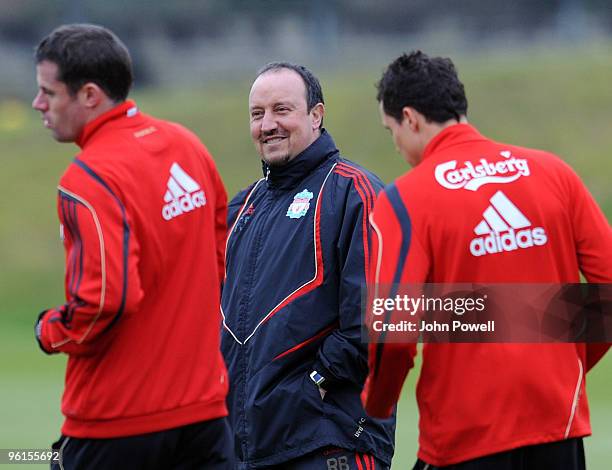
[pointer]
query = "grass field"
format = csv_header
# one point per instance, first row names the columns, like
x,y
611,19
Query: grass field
x,y
556,100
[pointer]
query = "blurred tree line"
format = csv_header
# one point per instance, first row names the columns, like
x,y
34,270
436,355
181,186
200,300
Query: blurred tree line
x,y
171,40
25,21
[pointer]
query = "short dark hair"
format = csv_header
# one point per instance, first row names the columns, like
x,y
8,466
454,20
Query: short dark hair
x,y
428,84
314,94
88,53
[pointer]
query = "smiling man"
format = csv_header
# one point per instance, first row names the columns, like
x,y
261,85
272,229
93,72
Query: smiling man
x,y
297,255
281,123
142,215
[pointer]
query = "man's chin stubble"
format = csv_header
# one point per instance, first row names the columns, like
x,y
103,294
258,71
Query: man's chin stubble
x,y
282,161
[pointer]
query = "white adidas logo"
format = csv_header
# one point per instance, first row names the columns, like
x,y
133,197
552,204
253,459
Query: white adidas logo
x,y
183,194
505,228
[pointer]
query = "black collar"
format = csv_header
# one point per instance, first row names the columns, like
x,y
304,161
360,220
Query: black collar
x,y
289,175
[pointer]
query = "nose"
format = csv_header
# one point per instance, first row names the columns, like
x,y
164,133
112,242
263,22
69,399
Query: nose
x,y
268,123
39,102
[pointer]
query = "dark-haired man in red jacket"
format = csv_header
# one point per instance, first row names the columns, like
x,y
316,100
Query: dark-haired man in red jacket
x,y
477,211
142,212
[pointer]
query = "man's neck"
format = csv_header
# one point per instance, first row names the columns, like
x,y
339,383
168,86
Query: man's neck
x,y
102,108
433,129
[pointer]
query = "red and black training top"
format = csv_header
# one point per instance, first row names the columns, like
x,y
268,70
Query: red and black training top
x,y
142,212
475,210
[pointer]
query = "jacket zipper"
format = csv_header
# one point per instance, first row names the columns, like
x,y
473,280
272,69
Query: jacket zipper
x,y
244,313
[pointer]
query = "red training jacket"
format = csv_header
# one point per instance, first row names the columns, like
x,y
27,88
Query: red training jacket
x,y
433,225
142,212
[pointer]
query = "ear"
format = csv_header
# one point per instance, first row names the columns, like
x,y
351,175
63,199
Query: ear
x,y
412,117
91,95
317,113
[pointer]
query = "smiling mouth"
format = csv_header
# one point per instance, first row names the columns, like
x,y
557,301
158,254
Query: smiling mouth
x,y
273,140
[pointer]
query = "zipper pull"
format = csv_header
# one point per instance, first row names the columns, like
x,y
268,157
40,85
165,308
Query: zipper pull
x,y
267,173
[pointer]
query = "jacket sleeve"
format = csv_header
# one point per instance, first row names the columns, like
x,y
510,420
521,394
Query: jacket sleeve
x,y
592,234
593,238
101,277
342,357
398,257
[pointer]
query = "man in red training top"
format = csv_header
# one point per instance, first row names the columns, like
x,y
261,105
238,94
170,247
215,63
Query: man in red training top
x,y
142,216
482,406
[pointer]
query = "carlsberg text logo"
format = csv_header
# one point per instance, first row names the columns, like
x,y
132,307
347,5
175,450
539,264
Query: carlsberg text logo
x,y
505,228
183,194
473,176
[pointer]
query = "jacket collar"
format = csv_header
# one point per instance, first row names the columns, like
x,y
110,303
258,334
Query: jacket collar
x,y
452,135
127,108
289,175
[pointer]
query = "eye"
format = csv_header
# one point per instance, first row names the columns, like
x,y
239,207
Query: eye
x,y
256,114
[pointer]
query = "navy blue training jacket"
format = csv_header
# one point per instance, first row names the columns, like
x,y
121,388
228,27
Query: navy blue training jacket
x,y
296,261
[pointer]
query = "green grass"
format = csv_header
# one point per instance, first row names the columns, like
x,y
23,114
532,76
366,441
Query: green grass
x,y
554,100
